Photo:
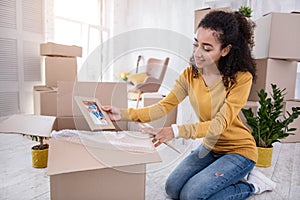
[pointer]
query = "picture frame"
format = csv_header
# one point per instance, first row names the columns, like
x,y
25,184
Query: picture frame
x,y
96,118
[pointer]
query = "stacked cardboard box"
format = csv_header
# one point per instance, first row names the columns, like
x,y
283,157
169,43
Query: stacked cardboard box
x,y
277,36
60,62
60,65
283,73
276,51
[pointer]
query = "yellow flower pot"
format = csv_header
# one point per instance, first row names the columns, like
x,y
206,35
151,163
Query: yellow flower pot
x,y
39,158
264,157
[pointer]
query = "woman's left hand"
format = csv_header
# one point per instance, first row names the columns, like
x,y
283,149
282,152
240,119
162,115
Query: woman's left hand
x,y
161,135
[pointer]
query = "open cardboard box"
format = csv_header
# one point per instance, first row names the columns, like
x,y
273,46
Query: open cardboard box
x,y
81,172
76,122
108,93
78,171
60,102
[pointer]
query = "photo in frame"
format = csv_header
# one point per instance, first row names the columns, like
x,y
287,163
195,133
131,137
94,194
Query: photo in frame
x,y
96,118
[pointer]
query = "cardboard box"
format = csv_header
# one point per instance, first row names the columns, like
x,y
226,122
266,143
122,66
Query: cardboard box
x,y
77,123
254,105
200,13
152,98
108,93
80,172
60,69
45,101
277,36
280,72
54,49
296,124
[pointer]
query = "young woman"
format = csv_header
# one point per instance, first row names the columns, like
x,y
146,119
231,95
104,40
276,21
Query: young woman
x,y
218,86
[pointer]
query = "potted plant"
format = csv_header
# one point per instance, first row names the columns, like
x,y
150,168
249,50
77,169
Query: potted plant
x,y
270,124
245,10
39,152
124,76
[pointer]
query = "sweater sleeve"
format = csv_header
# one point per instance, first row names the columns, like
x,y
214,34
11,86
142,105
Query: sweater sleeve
x,y
160,109
235,100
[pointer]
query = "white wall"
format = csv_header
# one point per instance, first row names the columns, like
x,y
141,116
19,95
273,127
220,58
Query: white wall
x,y
173,16
21,32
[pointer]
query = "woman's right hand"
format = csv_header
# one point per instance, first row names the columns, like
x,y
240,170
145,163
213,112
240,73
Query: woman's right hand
x,y
113,112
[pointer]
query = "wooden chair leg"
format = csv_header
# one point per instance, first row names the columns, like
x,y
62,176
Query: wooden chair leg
x,y
138,99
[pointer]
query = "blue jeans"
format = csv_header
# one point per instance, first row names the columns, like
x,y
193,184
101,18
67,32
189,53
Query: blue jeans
x,y
207,175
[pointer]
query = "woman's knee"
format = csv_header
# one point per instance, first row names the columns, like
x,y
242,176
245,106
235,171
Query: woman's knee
x,y
188,193
172,188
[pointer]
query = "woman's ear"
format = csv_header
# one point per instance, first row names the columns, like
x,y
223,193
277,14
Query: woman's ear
x,y
226,50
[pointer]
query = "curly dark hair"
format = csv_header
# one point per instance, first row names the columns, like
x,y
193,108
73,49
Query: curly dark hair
x,y
235,29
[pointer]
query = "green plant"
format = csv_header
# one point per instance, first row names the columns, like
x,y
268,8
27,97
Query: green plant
x,y
270,124
245,10
41,145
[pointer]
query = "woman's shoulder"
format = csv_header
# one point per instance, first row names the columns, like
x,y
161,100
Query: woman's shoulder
x,y
243,76
187,72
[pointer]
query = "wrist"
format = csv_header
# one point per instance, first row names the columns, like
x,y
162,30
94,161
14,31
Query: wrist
x,y
175,130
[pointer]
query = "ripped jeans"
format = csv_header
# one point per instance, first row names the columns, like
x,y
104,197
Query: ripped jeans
x,y
206,175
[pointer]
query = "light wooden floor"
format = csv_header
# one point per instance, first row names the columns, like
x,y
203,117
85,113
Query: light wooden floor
x,y
18,180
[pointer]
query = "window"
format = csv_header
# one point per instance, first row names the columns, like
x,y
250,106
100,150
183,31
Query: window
x,y
79,23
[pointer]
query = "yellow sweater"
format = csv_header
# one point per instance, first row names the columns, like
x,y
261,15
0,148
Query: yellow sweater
x,y
217,110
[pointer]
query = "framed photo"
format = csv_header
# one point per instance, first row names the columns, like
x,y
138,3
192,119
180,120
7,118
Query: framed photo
x,y
96,118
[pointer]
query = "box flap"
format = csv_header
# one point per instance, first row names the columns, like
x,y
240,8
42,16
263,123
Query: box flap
x,y
200,9
44,88
55,49
267,14
28,125
292,12
294,100
66,157
108,93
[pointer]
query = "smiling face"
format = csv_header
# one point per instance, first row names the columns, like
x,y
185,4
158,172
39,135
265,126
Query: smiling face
x,y
207,48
